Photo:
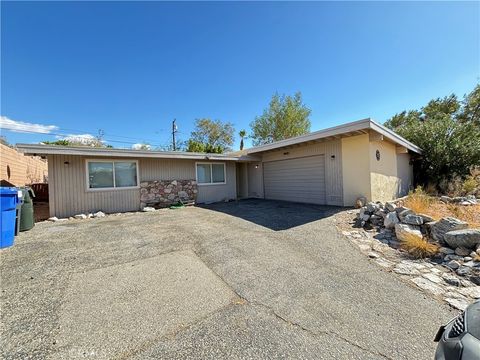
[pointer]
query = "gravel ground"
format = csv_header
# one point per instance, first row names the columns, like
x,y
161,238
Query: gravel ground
x,y
254,279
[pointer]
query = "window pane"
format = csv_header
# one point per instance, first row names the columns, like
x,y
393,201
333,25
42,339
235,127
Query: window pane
x,y
203,173
125,173
100,175
218,173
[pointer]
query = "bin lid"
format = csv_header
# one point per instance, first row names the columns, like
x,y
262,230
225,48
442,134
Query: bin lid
x,y
8,191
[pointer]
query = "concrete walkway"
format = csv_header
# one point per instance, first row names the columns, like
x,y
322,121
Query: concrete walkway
x,y
254,279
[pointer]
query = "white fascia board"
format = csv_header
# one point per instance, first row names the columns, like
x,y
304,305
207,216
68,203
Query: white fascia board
x,y
34,149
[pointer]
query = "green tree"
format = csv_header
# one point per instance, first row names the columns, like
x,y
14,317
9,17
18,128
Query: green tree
x,y
470,111
213,136
286,117
242,135
448,134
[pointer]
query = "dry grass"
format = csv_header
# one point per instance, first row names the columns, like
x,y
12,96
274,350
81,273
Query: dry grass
x,y
422,203
476,258
417,247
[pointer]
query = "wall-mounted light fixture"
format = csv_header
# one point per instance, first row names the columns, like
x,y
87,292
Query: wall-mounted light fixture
x,y
256,166
332,157
66,163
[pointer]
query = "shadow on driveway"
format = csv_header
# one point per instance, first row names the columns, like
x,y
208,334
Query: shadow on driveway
x,y
273,214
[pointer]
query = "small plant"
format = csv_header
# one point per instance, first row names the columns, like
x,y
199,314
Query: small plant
x,y
418,201
418,247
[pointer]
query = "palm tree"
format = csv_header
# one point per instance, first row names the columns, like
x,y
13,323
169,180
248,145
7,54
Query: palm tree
x,y
242,134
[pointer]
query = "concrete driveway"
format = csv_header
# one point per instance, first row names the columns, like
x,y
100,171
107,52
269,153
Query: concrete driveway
x,y
254,279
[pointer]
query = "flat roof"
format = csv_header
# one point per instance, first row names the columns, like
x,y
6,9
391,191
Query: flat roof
x,y
41,149
364,124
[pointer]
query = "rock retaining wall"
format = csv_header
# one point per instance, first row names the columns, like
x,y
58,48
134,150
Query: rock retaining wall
x,y
163,193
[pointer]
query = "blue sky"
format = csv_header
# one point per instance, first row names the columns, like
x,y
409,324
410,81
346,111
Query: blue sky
x,y
130,68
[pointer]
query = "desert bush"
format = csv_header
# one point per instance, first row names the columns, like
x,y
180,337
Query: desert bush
x,y
418,247
418,200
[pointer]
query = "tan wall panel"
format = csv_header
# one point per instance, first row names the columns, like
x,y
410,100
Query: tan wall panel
x,y
404,173
355,168
215,193
19,169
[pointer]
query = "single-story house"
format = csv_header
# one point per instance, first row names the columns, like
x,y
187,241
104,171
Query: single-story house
x,y
334,166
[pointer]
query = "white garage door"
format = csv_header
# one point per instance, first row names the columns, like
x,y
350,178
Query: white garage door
x,y
299,180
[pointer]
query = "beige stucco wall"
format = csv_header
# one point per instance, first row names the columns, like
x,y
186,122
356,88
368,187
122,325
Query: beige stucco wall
x,y
383,172
355,168
377,180
68,194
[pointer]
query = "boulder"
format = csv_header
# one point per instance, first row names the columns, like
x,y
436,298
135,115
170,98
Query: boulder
x,y
453,264
413,219
426,218
403,230
462,251
390,206
403,214
372,207
390,220
467,238
80,216
446,251
439,228
53,218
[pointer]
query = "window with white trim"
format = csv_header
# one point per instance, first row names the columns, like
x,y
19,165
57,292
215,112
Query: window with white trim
x,y
106,174
211,173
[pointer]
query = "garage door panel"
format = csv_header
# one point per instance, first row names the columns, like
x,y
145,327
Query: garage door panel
x,y
299,180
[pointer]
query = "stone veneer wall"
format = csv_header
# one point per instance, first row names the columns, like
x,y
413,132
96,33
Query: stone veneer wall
x,y
163,193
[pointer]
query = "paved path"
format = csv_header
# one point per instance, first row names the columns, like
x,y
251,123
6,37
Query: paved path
x,y
257,279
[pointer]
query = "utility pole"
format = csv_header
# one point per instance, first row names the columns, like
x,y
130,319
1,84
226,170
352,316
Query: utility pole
x,y
174,130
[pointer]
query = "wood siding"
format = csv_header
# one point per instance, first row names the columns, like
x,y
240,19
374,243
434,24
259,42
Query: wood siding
x,y
69,194
332,151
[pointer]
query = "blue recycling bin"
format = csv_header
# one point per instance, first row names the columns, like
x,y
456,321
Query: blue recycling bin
x,y
8,205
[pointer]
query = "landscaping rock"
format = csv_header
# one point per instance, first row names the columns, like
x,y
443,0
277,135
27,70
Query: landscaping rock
x,y
390,220
439,228
472,291
413,219
462,251
426,218
402,215
390,206
446,251
463,271
458,303
53,218
148,209
99,214
365,217
451,279
427,285
403,230
433,278
80,216
446,199
406,269
453,264
360,202
372,207
468,238
475,279
467,258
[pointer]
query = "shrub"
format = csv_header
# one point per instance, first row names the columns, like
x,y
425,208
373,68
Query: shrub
x,y
418,201
418,247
